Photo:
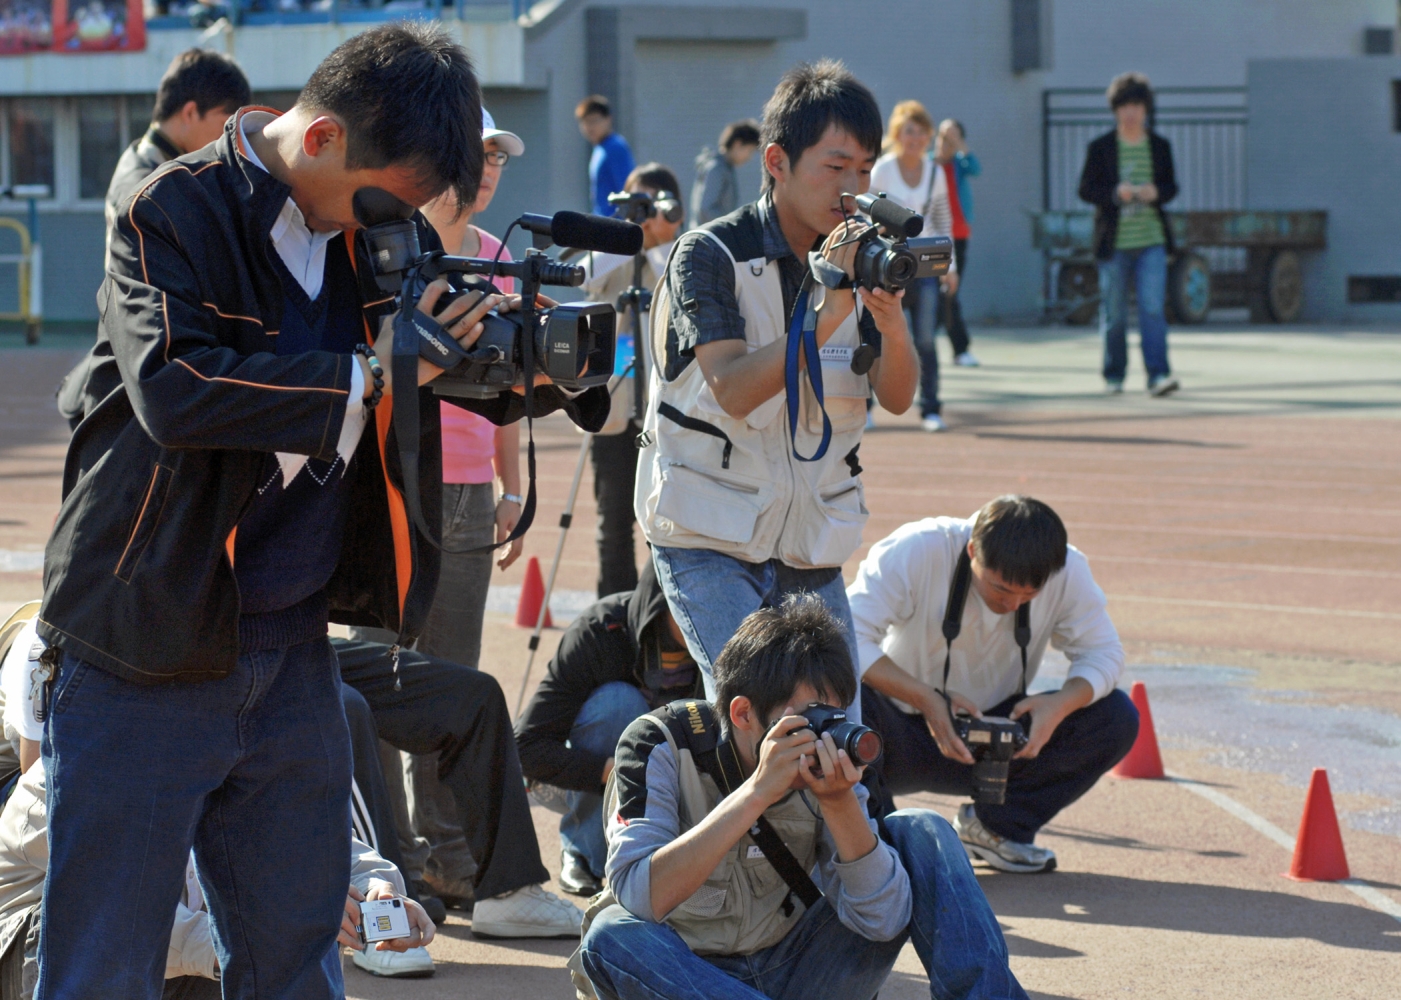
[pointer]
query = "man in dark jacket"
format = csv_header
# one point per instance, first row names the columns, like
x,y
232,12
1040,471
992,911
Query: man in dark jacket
x,y
221,503
621,658
1129,177
198,92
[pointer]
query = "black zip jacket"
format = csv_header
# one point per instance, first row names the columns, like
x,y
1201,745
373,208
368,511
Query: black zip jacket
x,y
615,639
138,578
1101,176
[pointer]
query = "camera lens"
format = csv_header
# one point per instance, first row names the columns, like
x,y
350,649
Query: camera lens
x,y
867,747
901,269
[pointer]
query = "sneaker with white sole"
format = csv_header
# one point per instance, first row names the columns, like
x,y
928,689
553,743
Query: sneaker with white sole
x,y
529,912
999,852
1114,387
1162,385
933,423
967,360
412,964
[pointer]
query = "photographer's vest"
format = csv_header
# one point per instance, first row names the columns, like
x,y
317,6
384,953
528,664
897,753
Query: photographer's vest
x,y
745,905
706,480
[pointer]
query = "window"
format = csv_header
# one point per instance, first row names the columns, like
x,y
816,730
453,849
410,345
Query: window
x,y
139,108
100,135
31,122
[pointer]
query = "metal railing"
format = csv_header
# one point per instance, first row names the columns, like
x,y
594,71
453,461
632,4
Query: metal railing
x,y
273,12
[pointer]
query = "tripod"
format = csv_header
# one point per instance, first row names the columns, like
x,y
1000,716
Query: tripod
x,y
635,301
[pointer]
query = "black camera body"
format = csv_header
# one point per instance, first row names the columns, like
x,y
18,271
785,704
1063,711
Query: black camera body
x,y
861,743
892,254
992,740
639,206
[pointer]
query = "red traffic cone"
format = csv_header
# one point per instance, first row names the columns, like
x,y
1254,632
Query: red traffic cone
x,y
532,596
1143,761
1318,850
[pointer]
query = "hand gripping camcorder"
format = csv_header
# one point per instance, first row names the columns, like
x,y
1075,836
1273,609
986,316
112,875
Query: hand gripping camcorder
x,y
572,343
892,254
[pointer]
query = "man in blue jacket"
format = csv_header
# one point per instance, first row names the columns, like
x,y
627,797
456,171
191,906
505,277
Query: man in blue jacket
x,y
611,160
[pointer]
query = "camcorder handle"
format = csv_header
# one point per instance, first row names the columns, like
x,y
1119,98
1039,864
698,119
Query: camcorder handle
x,y
953,621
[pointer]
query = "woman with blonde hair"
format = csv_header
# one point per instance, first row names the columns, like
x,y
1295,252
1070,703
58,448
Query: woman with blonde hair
x,y
908,175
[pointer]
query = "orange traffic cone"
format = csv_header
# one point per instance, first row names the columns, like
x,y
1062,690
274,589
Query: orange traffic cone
x,y
532,596
1143,761
1318,850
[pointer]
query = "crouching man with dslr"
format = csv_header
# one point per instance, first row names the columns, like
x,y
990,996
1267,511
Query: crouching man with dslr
x,y
953,618
741,856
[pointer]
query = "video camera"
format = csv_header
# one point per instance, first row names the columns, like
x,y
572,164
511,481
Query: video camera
x,y
572,343
861,743
992,740
892,254
639,206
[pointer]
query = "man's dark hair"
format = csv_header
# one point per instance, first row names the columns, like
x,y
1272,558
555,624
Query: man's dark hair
x,y
406,94
210,79
809,98
745,133
1130,88
656,176
776,649
1020,539
594,104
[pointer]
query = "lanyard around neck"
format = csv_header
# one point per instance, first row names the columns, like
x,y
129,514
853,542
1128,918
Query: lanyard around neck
x,y
802,335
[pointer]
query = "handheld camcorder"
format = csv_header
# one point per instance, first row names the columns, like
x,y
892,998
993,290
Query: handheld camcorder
x,y
861,743
639,206
572,343
892,254
992,740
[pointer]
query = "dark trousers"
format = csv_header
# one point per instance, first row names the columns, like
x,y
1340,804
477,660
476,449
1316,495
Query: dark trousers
x,y
614,475
1084,746
460,715
922,309
950,311
375,804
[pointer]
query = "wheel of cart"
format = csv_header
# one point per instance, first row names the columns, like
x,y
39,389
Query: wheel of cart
x,y
1188,289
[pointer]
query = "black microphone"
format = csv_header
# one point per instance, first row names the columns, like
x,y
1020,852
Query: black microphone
x,y
888,215
586,232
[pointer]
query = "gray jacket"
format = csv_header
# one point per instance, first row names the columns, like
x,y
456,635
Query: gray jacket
x,y
716,191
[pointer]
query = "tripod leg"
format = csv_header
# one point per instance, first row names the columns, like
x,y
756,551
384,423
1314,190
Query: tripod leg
x,y
564,522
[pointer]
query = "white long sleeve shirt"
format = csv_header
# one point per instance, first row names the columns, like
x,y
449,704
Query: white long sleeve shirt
x,y
898,601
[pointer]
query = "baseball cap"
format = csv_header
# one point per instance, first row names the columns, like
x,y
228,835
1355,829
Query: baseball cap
x,y
508,141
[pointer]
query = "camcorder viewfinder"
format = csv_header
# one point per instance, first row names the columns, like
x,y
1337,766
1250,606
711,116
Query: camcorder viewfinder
x,y
572,343
861,743
992,740
639,206
892,254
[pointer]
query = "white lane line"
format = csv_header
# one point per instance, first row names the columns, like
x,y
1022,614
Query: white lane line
x,y
1290,609
1377,900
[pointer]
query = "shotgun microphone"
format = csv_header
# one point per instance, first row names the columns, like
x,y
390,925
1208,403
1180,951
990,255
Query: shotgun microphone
x,y
586,232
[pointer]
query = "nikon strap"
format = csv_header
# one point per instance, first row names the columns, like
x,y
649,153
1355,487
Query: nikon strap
x,y
953,619
692,725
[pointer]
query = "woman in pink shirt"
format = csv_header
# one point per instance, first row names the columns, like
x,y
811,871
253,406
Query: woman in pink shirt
x,y
475,452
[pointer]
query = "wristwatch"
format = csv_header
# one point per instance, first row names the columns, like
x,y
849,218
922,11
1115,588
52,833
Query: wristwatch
x,y
515,498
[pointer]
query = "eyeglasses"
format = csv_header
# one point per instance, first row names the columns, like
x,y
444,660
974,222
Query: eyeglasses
x,y
498,157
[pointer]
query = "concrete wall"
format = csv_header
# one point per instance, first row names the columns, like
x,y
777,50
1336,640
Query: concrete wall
x,y
1321,135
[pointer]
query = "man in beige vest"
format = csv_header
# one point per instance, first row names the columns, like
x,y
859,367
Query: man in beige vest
x,y
776,884
748,483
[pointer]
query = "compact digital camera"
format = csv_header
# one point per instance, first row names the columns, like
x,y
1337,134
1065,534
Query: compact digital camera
x,y
992,740
892,254
383,920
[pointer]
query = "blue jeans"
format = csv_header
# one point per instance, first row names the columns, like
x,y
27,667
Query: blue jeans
x,y
952,926
596,729
1147,269
253,771
922,307
710,593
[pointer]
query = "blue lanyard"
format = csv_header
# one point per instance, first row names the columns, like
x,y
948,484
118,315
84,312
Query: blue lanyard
x,y
803,335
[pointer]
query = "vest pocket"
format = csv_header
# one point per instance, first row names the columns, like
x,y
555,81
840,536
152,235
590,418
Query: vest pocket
x,y
725,508
707,901
829,529
144,525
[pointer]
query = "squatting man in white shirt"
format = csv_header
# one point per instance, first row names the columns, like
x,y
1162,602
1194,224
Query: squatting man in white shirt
x,y
1014,552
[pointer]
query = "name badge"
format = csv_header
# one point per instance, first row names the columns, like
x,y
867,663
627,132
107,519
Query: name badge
x,y
835,355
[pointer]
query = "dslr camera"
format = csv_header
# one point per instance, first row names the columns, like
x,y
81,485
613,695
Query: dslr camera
x,y
861,743
639,206
892,254
572,343
992,740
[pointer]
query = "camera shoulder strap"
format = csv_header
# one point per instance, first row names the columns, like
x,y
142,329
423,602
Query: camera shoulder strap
x,y
953,618
692,725
802,336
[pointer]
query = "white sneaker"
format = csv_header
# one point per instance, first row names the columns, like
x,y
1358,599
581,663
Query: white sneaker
x,y
966,360
933,423
415,963
982,844
529,912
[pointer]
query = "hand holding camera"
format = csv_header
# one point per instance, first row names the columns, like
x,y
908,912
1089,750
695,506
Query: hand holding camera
x,y
784,749
384,919
939,719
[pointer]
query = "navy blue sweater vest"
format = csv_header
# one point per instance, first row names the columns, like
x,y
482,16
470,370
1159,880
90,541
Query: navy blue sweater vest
x,y
289,541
